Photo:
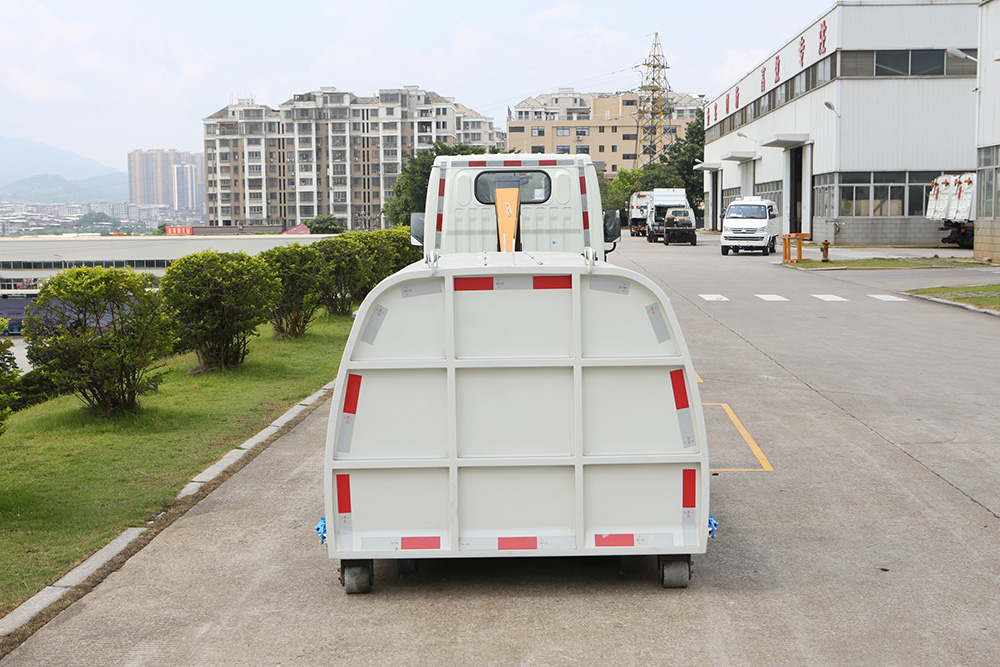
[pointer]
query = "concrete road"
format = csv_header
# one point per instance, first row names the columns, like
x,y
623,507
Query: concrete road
x,y
874,539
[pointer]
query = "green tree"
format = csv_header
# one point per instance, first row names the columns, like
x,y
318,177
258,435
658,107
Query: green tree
x,y
297,268
220,299
658,175
410,190
682,157
93,216
98,333
620,189
325,224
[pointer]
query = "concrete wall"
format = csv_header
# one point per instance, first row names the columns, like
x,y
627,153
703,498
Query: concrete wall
x,y
878,231
988,239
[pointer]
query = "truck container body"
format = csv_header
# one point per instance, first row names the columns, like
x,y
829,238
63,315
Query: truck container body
x,y
481,407
669,218
637,212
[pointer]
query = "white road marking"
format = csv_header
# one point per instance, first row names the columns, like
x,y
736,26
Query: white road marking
x,y
829,297
770,297
713,297
887,297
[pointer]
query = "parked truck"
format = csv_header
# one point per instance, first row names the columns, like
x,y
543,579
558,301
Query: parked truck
x,y
637,209
481,407
669,218
952,203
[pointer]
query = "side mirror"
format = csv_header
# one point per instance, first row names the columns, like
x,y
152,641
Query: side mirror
x,y
612,226
417,229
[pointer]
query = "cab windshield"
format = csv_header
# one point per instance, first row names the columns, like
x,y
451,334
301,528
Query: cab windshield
x,y
756,211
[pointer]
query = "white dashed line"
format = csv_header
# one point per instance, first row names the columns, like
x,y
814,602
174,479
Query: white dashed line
x,y
770,297
886,297
713,297
829,297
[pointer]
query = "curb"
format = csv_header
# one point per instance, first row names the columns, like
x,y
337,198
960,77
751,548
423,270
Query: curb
x,y
985,311
26,612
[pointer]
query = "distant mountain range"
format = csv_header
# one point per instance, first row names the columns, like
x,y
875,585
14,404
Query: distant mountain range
x,y
52,189
34,172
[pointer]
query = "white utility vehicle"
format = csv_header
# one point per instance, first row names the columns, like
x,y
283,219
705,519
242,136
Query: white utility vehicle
x,y
952,202
637,205
750,223
481,408
669,217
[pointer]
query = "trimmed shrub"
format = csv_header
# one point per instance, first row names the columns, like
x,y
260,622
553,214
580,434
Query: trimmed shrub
x,y
297,268
220,299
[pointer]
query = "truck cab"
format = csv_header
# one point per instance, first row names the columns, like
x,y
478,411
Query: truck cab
x,y
750,223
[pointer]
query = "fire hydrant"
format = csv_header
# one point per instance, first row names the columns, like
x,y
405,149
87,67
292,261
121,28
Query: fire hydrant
x,y
825,249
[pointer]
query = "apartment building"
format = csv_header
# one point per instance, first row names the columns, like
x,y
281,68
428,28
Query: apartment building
x,y
152,179
603,125
326,152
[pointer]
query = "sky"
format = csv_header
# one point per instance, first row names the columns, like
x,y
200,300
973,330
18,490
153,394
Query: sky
x,y
104,77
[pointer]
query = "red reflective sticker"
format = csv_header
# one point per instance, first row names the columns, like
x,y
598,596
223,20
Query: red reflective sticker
x,y
621,540
471,284
690,481
517,543
680,390
343,494
553,282
420,543
351,395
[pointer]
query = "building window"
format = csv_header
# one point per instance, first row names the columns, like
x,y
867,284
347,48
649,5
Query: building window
x,y
988,182
562,150
629,103
892,63
771,190
583,131
630,156
629,137
585,150
562,131
538,149
600,148
537,131
515,128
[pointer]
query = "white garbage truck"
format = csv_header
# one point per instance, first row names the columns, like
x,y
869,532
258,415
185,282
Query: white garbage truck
x,y
670,218
482,404
952,203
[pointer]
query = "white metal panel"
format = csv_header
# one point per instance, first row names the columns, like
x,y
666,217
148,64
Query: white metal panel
x,y
514,412
918,25
907,124
511,502
616,322
406,323
989,74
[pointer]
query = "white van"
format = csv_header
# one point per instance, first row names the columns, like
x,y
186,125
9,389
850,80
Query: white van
x,y
750,223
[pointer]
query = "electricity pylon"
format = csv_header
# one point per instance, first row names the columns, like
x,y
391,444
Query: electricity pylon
x,y
654,106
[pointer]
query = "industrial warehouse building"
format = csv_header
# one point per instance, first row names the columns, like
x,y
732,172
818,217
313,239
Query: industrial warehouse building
x,y
988,133
845,125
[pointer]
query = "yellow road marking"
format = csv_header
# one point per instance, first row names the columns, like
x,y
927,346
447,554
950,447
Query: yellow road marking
x,y
697,377
765,465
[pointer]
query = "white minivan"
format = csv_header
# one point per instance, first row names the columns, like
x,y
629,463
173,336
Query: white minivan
x,y
750,223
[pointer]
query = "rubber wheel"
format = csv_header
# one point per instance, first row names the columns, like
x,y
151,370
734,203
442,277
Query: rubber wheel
x,y
675,573
407,567
650,238
766,251
736,251
694,238
773,240
358,579
725,250
666,238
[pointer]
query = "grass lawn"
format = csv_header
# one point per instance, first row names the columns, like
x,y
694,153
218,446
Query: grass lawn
x,y
70,482
980,296
883,263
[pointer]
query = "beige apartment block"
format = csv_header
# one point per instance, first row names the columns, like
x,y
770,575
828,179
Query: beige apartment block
x,y
326,152
602,125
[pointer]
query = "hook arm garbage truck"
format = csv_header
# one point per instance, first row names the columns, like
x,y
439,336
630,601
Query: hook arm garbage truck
x,y
952,202
481,407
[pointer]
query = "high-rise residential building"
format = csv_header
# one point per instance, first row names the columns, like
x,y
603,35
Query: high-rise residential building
x,y
189,187
152,179
326,152
603,125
